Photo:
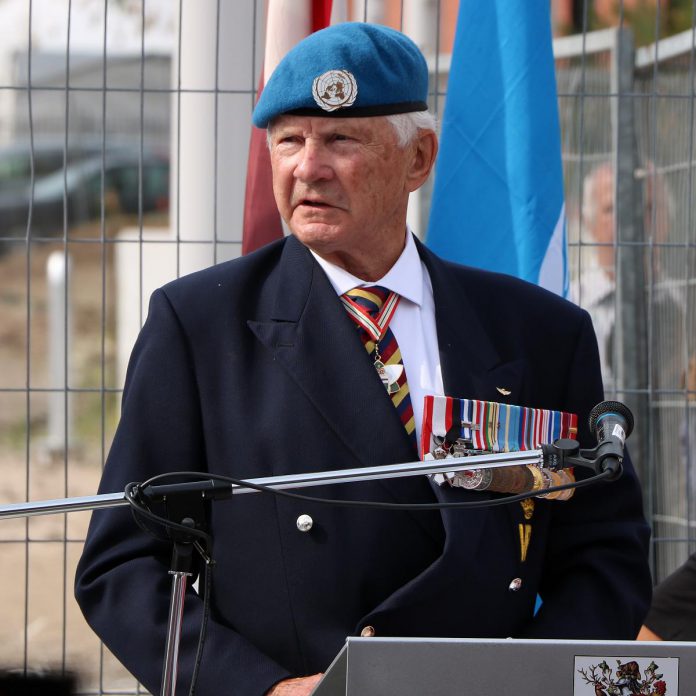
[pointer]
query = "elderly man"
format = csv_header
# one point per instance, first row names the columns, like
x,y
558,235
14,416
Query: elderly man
x,y
315,353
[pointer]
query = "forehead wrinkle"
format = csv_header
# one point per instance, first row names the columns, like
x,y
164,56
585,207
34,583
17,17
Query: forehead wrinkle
x,y
372,127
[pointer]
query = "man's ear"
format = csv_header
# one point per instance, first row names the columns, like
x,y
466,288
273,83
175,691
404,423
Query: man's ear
x,y
424,153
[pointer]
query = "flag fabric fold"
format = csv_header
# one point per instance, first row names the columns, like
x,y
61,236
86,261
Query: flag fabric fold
x,y
498,193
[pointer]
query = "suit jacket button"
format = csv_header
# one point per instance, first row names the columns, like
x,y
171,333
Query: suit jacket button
x,y
515,584
367,632
304,523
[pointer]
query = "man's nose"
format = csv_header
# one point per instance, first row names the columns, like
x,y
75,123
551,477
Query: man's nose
x,y
313,163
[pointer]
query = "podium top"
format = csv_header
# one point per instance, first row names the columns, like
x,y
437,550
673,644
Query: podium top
x,y
442,667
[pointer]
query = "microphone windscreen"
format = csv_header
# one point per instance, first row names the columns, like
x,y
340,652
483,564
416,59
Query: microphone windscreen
x,y
611,407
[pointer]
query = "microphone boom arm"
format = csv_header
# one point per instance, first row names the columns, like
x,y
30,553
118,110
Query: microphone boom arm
x,y
561,454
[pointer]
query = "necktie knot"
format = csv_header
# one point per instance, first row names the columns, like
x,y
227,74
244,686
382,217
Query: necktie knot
x,y
371,299
371,309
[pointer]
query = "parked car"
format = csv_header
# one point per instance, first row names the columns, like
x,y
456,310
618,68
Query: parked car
x,y
48,156
76,194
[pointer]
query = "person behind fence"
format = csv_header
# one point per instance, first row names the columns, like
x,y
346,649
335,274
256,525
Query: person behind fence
x,y
315,353
595,286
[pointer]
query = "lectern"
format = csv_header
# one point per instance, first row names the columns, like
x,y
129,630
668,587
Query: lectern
x,y
468,667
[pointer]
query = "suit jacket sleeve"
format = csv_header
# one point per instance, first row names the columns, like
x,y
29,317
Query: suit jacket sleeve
x,y
160,431
595,577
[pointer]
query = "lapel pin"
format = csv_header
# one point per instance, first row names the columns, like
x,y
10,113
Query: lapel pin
x,y
503,391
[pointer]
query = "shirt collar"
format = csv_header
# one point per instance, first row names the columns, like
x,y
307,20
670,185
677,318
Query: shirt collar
x,y
593,287
405,277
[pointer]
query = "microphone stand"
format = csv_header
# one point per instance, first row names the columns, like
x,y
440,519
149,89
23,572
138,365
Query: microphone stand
x,y
186,504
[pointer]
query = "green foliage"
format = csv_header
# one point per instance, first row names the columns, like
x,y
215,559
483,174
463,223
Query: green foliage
x,y
650,20
680,17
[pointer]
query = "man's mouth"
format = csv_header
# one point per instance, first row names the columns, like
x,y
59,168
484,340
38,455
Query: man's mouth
x,y
314,204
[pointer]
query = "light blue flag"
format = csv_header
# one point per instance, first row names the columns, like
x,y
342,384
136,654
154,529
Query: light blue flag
x,y
498,195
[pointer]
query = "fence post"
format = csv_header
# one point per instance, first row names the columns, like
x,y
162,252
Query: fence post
x,y
631,345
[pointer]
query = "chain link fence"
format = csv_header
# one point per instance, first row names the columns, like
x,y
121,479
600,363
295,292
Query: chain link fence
x,y
123,142
628,146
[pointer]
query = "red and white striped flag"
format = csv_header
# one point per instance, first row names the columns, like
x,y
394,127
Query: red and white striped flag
x,y
287,23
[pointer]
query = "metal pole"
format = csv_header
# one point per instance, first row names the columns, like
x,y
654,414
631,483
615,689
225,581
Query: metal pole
x,y
108,500
630,324
171,650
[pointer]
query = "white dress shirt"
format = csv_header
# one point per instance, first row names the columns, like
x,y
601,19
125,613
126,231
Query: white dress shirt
x,y
413,322
595,291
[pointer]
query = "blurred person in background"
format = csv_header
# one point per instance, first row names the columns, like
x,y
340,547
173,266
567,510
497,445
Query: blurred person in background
x,y
594,287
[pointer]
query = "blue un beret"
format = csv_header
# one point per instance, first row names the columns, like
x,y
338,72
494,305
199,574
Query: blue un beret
x,y
349,69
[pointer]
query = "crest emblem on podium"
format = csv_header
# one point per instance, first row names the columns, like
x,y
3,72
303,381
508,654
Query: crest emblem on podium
x,y
611,676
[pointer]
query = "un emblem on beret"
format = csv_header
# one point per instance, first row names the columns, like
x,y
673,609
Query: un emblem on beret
x,y
334,89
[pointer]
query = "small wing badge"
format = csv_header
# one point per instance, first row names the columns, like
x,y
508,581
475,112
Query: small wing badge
x,y
503,391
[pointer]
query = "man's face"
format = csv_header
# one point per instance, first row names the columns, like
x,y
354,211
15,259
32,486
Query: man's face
x,y
602,226
342,184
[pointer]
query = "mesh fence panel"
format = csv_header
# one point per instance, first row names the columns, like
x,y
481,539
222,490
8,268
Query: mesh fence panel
x,y
664,109
103,132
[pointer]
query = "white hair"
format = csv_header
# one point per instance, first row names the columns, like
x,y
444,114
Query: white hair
x,y
406,126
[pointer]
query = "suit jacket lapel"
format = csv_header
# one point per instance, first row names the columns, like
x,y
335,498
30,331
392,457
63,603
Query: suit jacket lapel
x,y
471,369
311,336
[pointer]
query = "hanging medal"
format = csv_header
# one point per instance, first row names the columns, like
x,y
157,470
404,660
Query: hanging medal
x,y
375,327
389,374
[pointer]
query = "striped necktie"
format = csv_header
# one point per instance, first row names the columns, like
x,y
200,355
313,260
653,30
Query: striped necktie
x,y
372,309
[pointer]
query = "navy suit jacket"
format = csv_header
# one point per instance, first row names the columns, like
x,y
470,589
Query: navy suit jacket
x,y
252,368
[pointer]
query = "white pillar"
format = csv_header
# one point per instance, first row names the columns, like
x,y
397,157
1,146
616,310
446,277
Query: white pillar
x,y
144,262
60,409
207,195
420,24
149,258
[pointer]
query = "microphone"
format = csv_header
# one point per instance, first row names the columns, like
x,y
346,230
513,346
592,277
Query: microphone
x,y
612,423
